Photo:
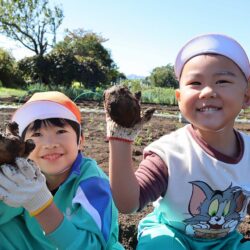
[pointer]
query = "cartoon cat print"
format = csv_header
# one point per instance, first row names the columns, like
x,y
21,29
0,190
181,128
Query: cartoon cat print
x,y
215,213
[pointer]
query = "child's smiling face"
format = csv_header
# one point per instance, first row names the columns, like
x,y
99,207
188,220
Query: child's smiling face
x,y
56,150
212,92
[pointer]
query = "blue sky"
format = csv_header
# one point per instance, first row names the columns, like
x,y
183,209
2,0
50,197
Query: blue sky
x,y
144,34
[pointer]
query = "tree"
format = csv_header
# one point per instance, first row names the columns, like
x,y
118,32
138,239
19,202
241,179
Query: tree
x,y
86,44
82,57
31,22
163,77
79,57
9,74
35,69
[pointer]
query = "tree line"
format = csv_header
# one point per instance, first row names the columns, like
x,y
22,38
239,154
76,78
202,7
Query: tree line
x,y
79,57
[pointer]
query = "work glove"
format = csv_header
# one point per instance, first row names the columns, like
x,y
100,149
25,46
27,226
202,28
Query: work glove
x,y
123,114
25,186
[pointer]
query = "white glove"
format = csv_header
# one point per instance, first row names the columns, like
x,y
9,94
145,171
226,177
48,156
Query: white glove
x,y
117,132
24,186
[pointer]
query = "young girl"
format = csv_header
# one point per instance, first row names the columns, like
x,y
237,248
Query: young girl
x,y
199,174
67,200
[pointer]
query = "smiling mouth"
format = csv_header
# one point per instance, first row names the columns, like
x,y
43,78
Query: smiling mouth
x,y
208,109
51,157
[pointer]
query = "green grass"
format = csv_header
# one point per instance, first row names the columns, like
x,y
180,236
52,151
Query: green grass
x,y
159,95
149,94
7,92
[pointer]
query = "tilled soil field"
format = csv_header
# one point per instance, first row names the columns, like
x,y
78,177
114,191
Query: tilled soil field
x,y
96,147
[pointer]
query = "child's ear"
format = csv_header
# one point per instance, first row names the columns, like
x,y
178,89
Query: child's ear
x,y
246,102
177,94
81,142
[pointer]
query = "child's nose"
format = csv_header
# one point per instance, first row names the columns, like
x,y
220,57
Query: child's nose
x,y
208,92
50,143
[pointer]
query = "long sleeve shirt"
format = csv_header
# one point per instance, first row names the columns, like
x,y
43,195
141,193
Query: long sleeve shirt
x,y
90,216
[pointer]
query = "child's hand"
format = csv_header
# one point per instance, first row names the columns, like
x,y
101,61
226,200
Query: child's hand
x,y
123,113
12,145
24,186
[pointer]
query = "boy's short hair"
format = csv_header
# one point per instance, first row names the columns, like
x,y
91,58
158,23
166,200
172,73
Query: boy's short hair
x,y
213,44
46,105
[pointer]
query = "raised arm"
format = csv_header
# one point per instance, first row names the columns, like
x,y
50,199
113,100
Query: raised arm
x,y
124,185
151,177
124,122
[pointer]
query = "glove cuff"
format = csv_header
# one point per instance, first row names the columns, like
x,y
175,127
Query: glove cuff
x,y
39,202
117,132
118,139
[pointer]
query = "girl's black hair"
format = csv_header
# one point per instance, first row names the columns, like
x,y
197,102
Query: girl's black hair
x,y
59,122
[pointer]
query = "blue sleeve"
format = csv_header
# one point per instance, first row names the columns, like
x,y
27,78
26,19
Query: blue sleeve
x,y
94,195
93,222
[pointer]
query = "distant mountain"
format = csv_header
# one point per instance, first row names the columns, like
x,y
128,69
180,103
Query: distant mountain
x,y
134,77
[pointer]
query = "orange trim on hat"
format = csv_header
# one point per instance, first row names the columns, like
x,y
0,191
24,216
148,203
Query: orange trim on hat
x,y
57,97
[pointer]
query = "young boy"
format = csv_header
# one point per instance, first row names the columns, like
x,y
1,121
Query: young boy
x,y
199,174
67,198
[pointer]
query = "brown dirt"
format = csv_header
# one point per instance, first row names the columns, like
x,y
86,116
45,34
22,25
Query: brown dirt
x,y
97,147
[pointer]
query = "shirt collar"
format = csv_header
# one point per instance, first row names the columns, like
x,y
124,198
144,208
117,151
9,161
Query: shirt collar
x,y
76,167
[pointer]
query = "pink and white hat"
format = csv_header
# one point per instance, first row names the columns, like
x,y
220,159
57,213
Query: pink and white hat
x,y
45,105
213,44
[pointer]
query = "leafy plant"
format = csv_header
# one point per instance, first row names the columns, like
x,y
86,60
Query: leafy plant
x,y
138,141
159,96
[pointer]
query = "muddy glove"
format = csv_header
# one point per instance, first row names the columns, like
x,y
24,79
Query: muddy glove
x,y
123,113
12,145
24,186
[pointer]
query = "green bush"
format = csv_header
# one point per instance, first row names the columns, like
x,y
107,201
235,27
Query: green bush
x,y
9,74
78,93
159,96
134,85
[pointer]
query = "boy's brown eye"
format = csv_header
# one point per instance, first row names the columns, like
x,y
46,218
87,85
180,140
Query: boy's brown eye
x,y
61,131
194,83
36,134
222,81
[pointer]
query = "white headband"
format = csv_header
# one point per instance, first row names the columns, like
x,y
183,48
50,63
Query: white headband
x,y
45,105
41,110
213,44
